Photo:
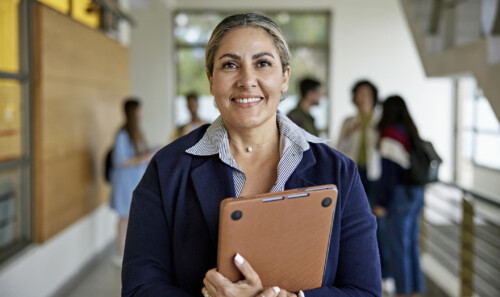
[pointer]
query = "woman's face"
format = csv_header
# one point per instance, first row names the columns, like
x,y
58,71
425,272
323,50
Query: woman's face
x,y
363,98
248,78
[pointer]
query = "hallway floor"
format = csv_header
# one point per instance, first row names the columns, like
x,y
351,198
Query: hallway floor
x,y
103,280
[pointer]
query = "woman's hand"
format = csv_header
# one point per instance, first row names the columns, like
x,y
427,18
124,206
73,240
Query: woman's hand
x,y
216,285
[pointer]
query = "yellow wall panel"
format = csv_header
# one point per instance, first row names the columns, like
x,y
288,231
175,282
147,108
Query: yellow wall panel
x,y
79,13
9,36
60,5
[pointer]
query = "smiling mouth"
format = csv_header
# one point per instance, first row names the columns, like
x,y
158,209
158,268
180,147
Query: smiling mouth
x,y
247,100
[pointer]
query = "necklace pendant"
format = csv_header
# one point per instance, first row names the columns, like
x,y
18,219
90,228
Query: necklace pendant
x,y
249,149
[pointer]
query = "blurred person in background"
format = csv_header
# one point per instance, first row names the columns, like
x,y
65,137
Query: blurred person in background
x,y
129,160
359,135
358,140
310,95
195,121
399,201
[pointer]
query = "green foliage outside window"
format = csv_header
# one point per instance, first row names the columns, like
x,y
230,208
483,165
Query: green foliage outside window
x,y
306,33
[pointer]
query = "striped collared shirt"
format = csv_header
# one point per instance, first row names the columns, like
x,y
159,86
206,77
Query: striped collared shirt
x,y
294,141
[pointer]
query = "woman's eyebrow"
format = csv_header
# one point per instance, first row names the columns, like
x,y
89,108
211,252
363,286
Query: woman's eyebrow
x,y
260,55
256,56
232,56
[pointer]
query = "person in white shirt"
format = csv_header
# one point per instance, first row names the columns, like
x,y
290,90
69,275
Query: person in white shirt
x,y
358,140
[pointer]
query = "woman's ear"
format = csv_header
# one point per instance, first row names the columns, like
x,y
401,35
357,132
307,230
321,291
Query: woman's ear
x,y
210,79
286,79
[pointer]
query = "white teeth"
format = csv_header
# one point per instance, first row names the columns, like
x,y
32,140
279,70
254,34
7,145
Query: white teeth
x,y
247,100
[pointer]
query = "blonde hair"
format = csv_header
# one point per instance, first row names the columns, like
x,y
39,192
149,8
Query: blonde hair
x,y
247,20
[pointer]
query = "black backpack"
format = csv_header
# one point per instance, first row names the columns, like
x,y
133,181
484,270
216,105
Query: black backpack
x,y
108,165
424,163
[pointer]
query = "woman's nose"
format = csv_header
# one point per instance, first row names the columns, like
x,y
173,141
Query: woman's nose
x,y
247,78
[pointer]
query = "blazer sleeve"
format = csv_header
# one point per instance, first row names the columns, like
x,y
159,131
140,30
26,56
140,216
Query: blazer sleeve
x,y
148,263
358,271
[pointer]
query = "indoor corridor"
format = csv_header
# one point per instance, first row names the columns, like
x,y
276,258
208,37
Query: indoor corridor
x,y
68,67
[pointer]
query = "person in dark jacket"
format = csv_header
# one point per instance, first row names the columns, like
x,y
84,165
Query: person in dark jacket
x,y
310,95
171,247
398,200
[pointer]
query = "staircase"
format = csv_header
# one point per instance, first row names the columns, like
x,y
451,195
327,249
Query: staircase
x,y
459,37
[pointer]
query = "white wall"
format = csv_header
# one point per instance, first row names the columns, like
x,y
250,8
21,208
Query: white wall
x,y
152,71
486,182
42,269
370,39
124,26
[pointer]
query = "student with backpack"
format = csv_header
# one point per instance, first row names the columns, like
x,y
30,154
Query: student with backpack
x,y
399,198
129,158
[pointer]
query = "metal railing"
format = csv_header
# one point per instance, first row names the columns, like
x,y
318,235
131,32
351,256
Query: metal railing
x,y
461,231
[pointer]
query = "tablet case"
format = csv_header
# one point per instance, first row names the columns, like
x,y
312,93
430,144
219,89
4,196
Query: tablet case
x,y
285,236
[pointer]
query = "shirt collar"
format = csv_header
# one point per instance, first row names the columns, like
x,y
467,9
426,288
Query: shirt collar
x,y
216,138
211,141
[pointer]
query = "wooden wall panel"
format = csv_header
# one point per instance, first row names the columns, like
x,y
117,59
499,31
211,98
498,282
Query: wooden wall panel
x,y
81,78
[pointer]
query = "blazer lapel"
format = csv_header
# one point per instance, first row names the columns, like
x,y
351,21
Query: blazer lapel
x,y
213,182
300,178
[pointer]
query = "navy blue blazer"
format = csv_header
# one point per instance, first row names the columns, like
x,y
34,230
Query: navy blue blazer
x,y
172,233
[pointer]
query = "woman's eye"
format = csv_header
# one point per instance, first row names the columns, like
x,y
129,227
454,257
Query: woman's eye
x,y
263,63
229,65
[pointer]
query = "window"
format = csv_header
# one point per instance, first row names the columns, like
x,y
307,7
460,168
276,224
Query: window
x,y
10,119
307,34
15,215
481,128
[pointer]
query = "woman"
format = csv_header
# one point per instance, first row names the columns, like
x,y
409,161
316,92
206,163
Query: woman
x,y
358,140
251,148
359,136
399,201
130,157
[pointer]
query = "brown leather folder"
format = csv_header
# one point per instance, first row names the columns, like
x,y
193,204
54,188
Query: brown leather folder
x,y
285,236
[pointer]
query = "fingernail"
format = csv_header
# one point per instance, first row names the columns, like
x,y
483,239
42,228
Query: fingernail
x,y
301,294
239,259
277,290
